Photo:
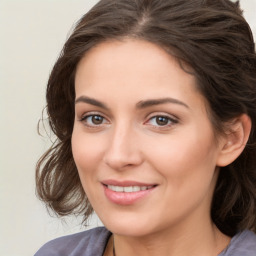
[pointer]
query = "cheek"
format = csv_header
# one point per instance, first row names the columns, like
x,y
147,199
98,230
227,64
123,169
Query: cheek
x,y
188,176
186,162
86,153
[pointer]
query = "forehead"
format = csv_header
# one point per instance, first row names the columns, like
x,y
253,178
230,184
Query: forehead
x,y
129,58
136,69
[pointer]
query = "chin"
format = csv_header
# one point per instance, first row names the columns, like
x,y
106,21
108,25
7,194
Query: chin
x,y
129,230
132,226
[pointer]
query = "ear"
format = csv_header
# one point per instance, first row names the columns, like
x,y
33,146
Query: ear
x,y
233,142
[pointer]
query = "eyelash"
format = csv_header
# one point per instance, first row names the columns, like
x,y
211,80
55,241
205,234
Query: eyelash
x,y
171,121
85,118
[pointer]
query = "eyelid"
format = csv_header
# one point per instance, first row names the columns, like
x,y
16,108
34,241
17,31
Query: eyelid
x,y
173,119
90,114
163,114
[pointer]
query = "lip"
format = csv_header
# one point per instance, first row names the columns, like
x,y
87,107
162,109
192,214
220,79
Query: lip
x,y
126,198
126,183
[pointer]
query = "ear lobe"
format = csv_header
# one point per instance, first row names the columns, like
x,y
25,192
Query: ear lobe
x,y
233,142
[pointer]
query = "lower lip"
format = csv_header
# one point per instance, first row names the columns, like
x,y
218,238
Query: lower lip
x,y
126,198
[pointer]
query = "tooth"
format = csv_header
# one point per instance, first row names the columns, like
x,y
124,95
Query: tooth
x,y
128,189
136,189
119,189
110,187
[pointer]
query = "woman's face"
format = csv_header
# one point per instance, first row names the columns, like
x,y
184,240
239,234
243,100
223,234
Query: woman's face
x,y
142,141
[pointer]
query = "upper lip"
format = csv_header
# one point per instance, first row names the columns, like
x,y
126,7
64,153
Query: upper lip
x,y
127,183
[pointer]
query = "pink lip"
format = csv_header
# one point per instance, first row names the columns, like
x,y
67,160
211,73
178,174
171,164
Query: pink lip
x,y
123,198
126,183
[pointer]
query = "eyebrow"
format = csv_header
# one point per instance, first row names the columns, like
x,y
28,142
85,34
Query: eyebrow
x,y
153,102
139,105
91,101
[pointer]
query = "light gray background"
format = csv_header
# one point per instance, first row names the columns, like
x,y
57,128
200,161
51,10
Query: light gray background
x,y
31,36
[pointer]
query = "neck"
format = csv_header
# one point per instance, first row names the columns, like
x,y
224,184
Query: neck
x,y
197,241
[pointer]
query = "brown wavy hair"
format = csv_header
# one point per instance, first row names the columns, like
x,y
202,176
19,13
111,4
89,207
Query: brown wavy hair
x,y
213,38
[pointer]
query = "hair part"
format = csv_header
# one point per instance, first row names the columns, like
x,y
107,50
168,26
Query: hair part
x,y
211,37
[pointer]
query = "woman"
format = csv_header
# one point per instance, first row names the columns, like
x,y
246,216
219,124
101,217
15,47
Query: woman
x,y
153,103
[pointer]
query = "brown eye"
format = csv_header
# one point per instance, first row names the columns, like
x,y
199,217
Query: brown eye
x,y
94,120
162,120
97,120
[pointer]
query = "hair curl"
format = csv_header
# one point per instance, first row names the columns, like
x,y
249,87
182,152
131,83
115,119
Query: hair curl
x,y
213,38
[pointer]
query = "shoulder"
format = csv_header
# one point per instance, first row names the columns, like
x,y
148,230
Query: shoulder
x,y
90,242
243,243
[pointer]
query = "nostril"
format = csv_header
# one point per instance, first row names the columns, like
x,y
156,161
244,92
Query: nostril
x,y
122,159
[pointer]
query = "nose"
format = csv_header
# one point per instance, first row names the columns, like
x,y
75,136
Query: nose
x,y
123,149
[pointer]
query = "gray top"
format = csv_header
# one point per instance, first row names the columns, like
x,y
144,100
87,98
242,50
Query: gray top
x,y
242,244
94,241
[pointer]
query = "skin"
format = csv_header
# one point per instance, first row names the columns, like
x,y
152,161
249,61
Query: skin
x,y
179,155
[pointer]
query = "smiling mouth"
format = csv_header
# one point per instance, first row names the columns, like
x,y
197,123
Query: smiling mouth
x,y
126,192
128,189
